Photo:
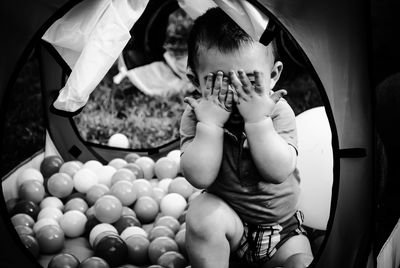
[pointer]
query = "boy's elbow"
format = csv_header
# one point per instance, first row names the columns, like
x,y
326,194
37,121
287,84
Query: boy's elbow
x,y
197,178
278,177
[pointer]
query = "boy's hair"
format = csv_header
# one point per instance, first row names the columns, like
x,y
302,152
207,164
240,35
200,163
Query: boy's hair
x,y
215,29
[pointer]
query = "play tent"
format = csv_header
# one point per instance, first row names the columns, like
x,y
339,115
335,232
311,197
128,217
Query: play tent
x,y
332,38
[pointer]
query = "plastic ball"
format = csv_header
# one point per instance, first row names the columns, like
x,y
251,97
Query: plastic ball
x,y
94,262
100,228
159,246
26,207
137,249
84,179
128,211
143,187
51,164
136,169
172,259
95,192
123,174
131,157
29,174
24,230
22,219
175,155
125,222
158,194
50,239
180,239
173,204
92,165
51,201
159,231
195,194
168,221
146,209
125,191
60,185
133,230
44,222
117,163
165,168
73,223
118,140
164,184
76,204
31,244
181,186
63,260
112,249
147,165
70,168
108,209
50,212
10,204
31,190
104,175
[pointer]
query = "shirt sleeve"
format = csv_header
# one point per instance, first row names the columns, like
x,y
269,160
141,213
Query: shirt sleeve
x,y
187,129
284,121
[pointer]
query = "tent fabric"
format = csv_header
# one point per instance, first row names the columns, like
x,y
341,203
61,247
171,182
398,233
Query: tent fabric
x,y
90,37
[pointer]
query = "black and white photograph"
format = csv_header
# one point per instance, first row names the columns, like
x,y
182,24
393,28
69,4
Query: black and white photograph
x,y
199,134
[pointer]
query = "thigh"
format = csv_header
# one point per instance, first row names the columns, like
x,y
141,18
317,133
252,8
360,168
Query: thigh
x,y
209,212
297,246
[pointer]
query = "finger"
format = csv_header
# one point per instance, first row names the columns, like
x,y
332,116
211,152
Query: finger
x,y
236,84
259,82
246,84
277,95
224,90
217,83
192,102
229,100
209,85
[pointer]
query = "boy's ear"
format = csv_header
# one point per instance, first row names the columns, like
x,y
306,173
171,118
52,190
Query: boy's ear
x,y
191,75
276,73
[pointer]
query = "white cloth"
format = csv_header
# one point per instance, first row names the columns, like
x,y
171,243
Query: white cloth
x,y
159,77
90,37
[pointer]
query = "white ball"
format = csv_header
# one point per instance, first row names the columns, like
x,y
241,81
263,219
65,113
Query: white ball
x,y
84,179
117,163
173,204
52,201
98,229
104,175
175,155
118,140
73,223
50,212
133,230
147,165
93,165
164,184
29,174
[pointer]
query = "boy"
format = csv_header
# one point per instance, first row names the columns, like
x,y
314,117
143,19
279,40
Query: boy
x,y
238,142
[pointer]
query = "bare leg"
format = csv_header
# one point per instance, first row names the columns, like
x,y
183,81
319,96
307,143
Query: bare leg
x,y
294,253
213,229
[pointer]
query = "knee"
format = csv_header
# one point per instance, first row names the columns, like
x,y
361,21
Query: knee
x,y
299,260
203,218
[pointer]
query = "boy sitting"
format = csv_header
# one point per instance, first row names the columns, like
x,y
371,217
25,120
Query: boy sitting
x,y
238,142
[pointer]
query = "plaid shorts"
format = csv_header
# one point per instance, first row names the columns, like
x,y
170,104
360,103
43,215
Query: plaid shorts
x,y
260,242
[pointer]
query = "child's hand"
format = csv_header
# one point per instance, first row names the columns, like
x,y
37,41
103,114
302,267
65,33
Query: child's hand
x,y
253,102
215,105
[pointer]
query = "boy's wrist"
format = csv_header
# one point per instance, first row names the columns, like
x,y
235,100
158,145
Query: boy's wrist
x,y
263,124
209,128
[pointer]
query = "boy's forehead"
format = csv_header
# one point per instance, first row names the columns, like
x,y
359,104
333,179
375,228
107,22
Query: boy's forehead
x,y
212,59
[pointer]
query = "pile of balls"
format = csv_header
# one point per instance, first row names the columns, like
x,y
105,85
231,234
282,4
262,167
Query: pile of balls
x,y
128,213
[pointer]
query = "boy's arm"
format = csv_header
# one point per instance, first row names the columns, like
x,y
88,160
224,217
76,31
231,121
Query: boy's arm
x,y
202,153
202,157
273,156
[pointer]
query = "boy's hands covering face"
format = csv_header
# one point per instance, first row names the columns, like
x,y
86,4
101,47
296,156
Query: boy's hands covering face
x,y
215,105
254,102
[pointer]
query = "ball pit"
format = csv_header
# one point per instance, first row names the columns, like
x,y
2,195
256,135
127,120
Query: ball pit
x,y
128,213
